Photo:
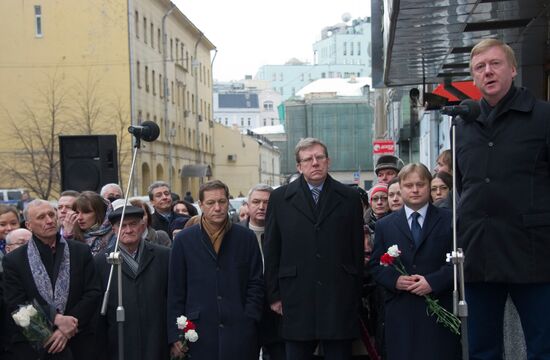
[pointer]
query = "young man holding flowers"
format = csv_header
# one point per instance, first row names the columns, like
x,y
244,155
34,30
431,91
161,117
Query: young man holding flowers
x,y
422,233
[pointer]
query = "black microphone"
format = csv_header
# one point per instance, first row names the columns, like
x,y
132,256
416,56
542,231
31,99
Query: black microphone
x,y
148,131
468,110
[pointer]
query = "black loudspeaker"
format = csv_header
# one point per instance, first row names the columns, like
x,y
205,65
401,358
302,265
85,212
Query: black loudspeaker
x,y
88,162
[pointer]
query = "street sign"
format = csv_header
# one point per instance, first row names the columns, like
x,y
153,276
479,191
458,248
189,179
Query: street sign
x,y
380,147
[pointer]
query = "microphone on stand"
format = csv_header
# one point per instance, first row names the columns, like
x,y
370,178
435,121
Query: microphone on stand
x,y
468,110
147,131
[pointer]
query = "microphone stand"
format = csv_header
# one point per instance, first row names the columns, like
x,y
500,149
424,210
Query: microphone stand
x,y
115,259
460,307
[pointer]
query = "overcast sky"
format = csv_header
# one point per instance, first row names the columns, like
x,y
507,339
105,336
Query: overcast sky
x,y
251,33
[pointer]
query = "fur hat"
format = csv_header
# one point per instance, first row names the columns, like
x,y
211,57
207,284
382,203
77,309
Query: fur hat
x,y
388,162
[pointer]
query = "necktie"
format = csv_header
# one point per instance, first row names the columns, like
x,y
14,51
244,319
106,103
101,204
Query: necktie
x,y
315,192
416,230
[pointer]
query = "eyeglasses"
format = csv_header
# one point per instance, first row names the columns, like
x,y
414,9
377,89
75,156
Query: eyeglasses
x,y
440,188
309,160
379,198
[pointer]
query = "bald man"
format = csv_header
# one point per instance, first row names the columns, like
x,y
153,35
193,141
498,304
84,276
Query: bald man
x,y
17,238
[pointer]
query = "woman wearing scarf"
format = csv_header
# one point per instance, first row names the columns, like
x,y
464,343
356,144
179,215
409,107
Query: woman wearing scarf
x,y
93,225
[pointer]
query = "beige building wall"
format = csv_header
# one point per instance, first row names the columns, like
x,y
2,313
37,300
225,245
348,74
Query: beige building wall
x,y
242,161
84,55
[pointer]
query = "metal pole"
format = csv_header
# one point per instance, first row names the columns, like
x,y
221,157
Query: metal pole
x,y
132,75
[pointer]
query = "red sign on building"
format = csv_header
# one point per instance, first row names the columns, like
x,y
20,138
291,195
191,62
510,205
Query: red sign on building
x,y
380,147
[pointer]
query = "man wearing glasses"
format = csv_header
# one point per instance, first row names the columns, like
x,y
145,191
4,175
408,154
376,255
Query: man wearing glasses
x,y
314,257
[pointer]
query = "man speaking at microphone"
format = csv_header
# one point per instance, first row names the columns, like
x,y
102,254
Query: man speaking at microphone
x,y
503,177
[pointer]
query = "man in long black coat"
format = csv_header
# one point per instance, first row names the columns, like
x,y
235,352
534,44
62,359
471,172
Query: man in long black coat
x,y
144,291
72,302
410,332
503,178
314,257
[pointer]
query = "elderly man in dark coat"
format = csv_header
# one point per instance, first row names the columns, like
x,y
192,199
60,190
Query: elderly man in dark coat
x,y
503,178
144,290
314,257
216,281
410,332
60,275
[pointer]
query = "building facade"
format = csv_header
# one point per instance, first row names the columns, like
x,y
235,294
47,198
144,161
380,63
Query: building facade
x,y
342,52
97,67
244,160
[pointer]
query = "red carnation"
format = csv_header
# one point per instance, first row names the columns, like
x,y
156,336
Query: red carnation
x,y
386,259
190,326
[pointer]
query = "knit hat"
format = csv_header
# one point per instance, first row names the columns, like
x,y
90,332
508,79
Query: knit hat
x,y
380,187
388,162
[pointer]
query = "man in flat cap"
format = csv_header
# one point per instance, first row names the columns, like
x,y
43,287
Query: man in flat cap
x,y
144,289
387,167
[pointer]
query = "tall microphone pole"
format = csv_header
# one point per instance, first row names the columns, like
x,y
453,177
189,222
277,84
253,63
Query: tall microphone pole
x,y
468,110
149,131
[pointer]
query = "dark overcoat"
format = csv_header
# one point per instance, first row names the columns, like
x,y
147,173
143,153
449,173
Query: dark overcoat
x,y
503,176
82,303
221,293
144,300
409,332
314,260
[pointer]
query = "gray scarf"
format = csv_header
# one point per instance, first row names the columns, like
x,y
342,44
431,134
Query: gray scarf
x,y
59,295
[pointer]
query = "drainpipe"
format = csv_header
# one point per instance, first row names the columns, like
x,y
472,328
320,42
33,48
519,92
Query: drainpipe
x,y
164,69
194,65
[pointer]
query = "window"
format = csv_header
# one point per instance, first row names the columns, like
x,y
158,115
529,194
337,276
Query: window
x,y
358,48
226,122
248,121
138,74
145,29
272,122
147,78
281,77
302,77
177,46
159,41
172,93
172,49
351,48
265,122
38,21
186,59
161,88
136,23
345,48
153,78
242,121
268,105
274,77
181,51
152,35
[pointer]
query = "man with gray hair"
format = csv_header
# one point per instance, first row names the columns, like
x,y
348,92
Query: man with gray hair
x,y
161,198
60,275
17,238
273,346
314,257
111,192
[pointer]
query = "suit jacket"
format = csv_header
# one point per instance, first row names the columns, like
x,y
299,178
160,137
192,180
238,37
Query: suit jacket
x,y
144,300
410,333
221,293
314,259
82,303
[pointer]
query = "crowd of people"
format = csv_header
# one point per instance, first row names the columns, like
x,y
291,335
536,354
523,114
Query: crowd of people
x,y
305,273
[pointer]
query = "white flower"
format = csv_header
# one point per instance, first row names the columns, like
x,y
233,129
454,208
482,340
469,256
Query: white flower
x,y
31,310
22,318
191,335
182,322
394,251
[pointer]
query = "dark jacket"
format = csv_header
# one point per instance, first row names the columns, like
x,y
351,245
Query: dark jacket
x,y
144,301
221,293
503,178
158,237
410,333
159,222
314,260
82,303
